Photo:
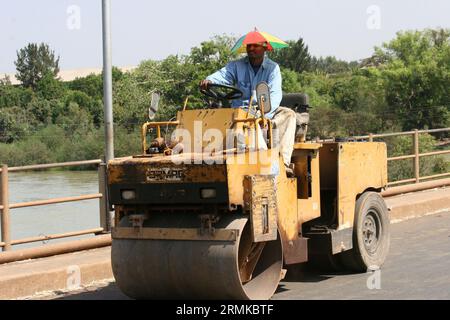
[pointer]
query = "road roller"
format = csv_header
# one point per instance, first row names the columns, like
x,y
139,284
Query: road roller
x,y
207,210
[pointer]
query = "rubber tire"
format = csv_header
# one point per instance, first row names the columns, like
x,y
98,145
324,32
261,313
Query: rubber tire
x,y
358,258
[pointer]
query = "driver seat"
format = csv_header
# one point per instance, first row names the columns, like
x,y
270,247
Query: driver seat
x,y
299,102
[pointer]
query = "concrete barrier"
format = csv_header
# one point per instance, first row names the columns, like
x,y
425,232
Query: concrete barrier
x,y
57,273
417,204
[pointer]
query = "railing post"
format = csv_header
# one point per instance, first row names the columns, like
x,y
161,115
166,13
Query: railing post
x,y
4,201
370,137
105,217
416,154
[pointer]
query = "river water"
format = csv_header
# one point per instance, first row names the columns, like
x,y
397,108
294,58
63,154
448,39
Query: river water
x,y
54,218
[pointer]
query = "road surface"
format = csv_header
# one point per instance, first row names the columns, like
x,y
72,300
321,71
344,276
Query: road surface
x,y
418,267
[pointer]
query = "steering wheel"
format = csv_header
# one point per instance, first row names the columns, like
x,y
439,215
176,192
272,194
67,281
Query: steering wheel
x,y
222,92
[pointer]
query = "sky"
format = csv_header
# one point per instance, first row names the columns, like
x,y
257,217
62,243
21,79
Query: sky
x,y
346,29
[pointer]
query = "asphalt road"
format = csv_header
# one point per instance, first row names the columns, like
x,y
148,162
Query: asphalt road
x,y
418,267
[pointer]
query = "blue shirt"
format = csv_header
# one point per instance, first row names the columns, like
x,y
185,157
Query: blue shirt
x,y
240,74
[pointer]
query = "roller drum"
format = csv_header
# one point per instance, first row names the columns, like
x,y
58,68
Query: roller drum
x,y
179,269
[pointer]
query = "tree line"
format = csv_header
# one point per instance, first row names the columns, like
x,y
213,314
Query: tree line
x,y
403,85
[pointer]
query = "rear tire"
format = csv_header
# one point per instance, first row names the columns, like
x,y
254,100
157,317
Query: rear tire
x,y
371,238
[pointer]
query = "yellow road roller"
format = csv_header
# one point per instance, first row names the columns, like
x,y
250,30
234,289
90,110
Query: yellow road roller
x,y
208,212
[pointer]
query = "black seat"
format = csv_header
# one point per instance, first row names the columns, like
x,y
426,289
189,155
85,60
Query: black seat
x,y
296,101
299,102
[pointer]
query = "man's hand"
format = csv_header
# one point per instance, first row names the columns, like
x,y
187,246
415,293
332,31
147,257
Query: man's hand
x,y
204,84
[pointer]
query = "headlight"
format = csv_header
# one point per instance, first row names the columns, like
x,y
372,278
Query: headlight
x,y
128,194
208,193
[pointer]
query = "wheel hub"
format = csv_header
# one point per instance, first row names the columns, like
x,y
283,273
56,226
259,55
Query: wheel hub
x,y
371,232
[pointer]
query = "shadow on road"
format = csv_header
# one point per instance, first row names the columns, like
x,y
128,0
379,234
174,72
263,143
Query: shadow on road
x,y
308,273
109,292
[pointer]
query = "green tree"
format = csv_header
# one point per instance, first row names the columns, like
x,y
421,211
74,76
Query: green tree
x,y
178,77
417,77
49,88
326,122
330,65
131,103
13,124
295,57
92,85
290,81
212,54
11,96
312,84
75,120
209,57
358,93
34,62
318,87
167,76
41,110
5,81
91,104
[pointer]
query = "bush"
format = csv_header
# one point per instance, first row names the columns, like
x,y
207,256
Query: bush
x,y
49,88
53,137
131,103
126,143
13,124
86,146
92,105
75,120
334,122
92,85
42,112
14,96
26,152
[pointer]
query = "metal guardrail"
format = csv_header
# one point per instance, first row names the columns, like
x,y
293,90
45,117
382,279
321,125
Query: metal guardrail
x,y
5,206
416,156
6,242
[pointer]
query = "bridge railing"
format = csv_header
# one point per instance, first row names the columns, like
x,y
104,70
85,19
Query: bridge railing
x,y
415,156
6,242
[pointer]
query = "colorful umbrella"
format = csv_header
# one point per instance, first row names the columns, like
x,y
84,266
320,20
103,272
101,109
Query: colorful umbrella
x,y
258,37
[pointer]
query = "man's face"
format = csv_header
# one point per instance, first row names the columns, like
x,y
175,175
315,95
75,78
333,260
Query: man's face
x,y
255,50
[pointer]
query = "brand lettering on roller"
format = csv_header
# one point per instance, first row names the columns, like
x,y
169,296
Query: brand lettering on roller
x,y
166,174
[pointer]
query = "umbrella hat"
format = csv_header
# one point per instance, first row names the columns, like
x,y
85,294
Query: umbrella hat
x,y
257,36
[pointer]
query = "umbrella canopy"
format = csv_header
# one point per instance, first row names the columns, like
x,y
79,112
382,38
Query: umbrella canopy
x,y
258,37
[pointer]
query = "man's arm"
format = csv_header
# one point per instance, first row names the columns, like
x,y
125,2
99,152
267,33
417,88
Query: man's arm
x,y
226,75
276,93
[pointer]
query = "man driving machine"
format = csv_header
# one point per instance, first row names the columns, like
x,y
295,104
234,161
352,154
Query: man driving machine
x,y
245,74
